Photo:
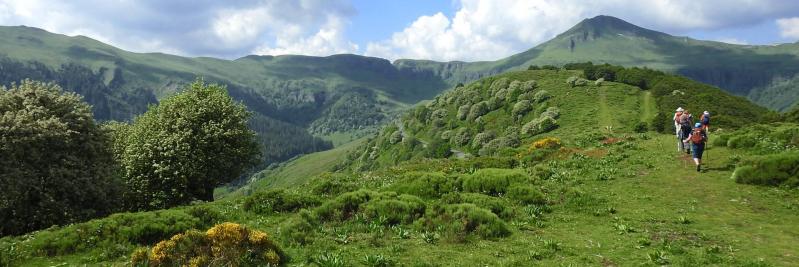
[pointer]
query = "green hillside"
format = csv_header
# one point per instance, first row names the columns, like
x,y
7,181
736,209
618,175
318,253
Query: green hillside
x,y
585,184
340,95
757,71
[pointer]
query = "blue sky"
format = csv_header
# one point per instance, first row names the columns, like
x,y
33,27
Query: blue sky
x,y
466,30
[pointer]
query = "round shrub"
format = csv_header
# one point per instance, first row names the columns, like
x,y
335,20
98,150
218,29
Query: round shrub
x,y
477,110
742,141
481,139
461,137
526,194
502,83
493,181
393,211
226,244
541,96
552,112
641,127
464,219
521,108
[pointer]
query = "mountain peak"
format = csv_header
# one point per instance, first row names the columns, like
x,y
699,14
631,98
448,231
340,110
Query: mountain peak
x,y
604,25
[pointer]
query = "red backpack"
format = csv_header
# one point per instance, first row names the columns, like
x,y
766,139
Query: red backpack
x,y
697,136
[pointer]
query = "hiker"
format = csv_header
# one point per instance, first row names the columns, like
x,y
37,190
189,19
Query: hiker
x,y
705,120
697,139
676,120
685,120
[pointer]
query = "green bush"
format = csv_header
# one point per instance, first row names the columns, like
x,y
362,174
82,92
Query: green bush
x,y
425,184
345,206
721,140
121,229
299,229
493,181
461,220
526,194
278,201
402,209
774,170
742,141
498,206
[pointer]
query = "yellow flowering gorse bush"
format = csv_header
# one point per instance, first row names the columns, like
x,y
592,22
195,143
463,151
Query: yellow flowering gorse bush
x,y
226,244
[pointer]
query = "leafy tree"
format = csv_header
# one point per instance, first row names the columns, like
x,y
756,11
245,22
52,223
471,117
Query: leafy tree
x,y
183,148
55,163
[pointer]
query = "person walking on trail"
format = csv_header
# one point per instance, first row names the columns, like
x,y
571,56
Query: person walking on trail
x,y
676,120
705,120
697,138
685,120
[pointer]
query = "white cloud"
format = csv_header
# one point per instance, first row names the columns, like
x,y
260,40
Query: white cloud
x,y
789,27
492,29
195,27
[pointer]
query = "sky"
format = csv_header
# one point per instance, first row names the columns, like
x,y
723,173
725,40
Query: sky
x,y
444,30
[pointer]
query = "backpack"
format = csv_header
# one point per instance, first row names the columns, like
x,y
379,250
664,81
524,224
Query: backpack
x,y
686,119
698,136
705,119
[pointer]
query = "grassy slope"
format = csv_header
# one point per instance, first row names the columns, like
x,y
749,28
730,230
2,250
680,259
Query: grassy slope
x,y
652,188
294,172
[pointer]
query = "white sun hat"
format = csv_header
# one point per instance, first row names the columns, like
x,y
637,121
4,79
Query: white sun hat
x,y
679,109
706,113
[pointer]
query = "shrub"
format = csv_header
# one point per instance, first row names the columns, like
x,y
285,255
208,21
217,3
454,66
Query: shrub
x,y
526,194
545,143
477,110
540,125
776,169
461,137
438,114
541,96
498,206
481,139
465,219
226,244
402,209
492,181
345,205
501,83
279,200
299,229
521,108
463,111
552,112
574,81
425,184
742,141
56,163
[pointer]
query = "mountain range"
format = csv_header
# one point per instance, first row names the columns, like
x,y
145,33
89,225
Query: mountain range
x,y
343,95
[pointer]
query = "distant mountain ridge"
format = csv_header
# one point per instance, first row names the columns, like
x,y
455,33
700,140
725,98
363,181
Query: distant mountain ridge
x,y
757,71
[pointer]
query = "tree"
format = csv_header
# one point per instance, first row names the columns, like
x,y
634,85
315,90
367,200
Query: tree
x,y
56,166
181,149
